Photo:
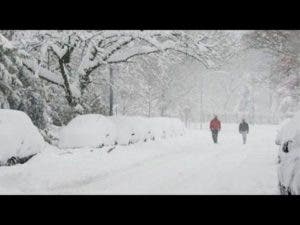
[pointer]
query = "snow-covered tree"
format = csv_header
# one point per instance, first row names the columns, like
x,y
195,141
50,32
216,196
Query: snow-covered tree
x,y
246,105
99,48
19,88
71,69
283,79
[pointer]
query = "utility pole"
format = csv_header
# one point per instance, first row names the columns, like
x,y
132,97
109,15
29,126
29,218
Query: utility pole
x,y
201,101
149,101
111,92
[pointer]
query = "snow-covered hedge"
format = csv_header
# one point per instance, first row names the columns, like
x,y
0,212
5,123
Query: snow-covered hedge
x,y
93,130
19,138
288,138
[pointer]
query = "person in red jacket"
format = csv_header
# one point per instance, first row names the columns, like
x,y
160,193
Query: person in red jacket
x,y
215,127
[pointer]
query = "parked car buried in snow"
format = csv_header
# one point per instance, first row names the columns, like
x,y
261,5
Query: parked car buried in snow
x,y
90,130
288,138
19,138
95,130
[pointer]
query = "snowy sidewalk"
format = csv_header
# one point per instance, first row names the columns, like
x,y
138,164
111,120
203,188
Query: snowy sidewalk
x,y
187,165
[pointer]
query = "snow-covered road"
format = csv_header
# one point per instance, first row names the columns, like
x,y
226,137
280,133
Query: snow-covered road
x,y
191,164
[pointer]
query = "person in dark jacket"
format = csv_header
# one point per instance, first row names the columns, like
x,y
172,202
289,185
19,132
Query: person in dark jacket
x,y
215,127
244,130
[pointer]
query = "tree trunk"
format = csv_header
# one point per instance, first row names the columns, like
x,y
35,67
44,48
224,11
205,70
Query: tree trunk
x,y
111,93
67,88
48,61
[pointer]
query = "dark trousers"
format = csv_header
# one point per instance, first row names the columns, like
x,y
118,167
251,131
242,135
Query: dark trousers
x,y
244,135
215,135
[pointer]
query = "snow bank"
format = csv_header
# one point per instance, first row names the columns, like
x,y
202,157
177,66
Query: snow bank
x,y
94,130
90,130
18,136
288,137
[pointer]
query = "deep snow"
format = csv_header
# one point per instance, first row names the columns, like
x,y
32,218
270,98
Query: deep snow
x,y
189,164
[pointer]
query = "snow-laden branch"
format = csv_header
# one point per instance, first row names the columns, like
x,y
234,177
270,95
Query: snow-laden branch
x,y
84,52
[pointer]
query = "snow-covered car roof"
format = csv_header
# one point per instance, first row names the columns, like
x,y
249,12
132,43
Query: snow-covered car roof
x,y
18,136
288,129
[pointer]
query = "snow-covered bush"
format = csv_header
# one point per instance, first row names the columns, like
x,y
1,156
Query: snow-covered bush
x,y
19,138
94,130
288,138
90,130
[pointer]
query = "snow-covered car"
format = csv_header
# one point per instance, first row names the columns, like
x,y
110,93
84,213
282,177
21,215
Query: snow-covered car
x,y
89,130
130,130
19,138
95,130
288,138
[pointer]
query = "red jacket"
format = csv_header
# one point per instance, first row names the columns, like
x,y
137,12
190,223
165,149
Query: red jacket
x,y
215,124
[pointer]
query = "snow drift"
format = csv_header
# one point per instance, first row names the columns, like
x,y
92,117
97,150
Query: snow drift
x,y
288,137
93,130
18,136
